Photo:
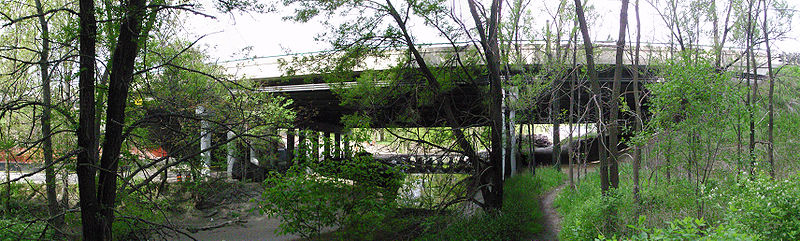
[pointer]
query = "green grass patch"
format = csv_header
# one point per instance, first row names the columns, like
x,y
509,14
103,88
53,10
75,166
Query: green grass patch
x,y
721,209
518,218
587,214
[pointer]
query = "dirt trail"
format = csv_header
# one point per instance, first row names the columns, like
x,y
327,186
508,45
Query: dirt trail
x,y
551,220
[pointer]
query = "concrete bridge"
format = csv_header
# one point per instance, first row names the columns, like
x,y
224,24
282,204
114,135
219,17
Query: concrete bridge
x,y
319,109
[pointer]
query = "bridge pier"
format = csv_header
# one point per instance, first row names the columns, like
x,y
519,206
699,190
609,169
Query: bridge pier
x,y
253,155
205,141
272,150
337,149
314,138
509,150
290,143
302,146
231,155
326,149
346,146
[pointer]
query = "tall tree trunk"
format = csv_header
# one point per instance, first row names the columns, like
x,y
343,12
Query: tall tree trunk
x,y
753,85
56,219
770,105
122,62
86,161
596,94
554,113
614,129
725,30
637,151
491,52
571,148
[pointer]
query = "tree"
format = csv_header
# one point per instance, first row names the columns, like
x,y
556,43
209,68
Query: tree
x,y
488,40
596,100
91,225
637,151
770,104
614,129
382,28
98,191
47,143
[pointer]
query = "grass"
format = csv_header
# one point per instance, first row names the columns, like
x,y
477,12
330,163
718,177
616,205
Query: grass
x,y
518,218
723,209
585,211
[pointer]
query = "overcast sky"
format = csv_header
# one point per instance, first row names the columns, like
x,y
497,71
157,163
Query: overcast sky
x,y
231,37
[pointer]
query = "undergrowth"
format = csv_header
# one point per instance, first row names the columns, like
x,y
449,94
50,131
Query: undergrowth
x,y
722,209
519,217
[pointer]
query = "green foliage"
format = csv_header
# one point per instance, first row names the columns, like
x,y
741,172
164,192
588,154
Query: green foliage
x,y
758,209
12,229
518,218
692,94
135,216
19,213
587,213
766,207
428,191
684,229
355,195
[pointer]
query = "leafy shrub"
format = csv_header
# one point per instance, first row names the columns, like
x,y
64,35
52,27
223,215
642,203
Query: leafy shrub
x,y
684,229
135,217
587,213
766,207
355,195
13,229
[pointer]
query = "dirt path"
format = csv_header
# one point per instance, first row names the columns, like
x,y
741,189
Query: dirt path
x,y
550,218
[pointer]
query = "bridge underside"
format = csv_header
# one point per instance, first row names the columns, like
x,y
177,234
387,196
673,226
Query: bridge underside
x,y
321,109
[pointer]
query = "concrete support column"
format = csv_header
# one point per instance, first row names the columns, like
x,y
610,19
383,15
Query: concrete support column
x,y
205,141
509,149
271,149
302,146
327,145
231,157
346,146
253,155
290,143
337,149
314,154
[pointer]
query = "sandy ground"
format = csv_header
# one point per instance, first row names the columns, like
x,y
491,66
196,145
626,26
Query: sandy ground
x,y
257,227
229,214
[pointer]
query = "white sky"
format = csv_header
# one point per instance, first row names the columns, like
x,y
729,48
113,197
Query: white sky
x,y
268,35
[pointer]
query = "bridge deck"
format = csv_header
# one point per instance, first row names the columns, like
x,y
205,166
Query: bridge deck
x,y
320,108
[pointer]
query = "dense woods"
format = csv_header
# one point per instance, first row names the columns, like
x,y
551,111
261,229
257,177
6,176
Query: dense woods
x,y
415,120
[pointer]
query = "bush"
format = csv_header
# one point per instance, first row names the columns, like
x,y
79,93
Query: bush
x,y
355,197
766,207
684,229
13,229
135,216
587,213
